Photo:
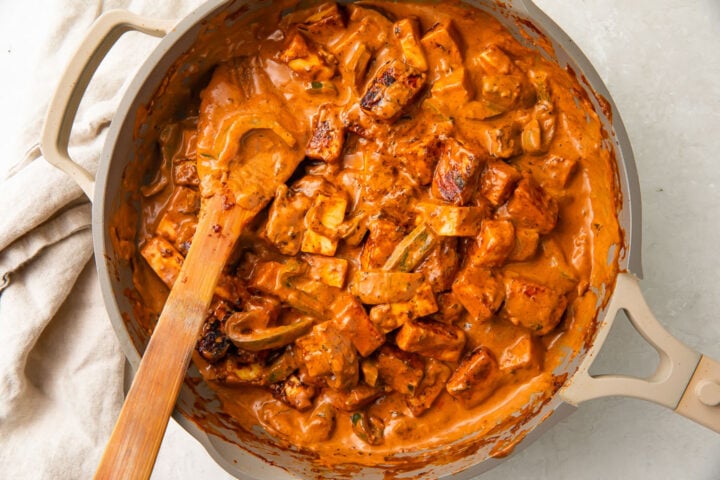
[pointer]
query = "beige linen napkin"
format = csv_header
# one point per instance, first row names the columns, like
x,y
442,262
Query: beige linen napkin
x,y
61,367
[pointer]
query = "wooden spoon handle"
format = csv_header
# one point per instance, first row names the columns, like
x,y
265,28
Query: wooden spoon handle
x,y
135,440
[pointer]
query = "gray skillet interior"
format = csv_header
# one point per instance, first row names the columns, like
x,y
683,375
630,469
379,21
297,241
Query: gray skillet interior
x,y
120,149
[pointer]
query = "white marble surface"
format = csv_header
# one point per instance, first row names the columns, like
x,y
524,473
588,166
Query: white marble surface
x,y
661,61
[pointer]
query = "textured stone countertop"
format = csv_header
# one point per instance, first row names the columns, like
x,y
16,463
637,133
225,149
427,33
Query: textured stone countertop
x,y
660,59
661,62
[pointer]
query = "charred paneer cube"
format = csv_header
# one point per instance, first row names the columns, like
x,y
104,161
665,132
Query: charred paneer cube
x,y
532,207
441,265
475,379
285,225
328,135
433,382
402,371
498,181
456,173
393,88
382,238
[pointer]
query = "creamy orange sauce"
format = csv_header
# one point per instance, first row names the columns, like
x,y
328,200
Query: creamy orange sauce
x,y
418,117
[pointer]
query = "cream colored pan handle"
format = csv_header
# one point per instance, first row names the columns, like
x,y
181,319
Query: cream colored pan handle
x,y
103,34
685,380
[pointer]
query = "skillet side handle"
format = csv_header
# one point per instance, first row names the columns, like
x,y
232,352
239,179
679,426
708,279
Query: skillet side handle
x,y
684,380
103,34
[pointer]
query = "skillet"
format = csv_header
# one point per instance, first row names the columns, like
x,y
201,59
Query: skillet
x,y
671,385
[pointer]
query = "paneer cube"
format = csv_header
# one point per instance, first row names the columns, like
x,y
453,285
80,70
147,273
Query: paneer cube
x,y
352,321
558,170
362,124
285,225
452,90
531,207
450,83
356,63
163,258
501,140
494,60
329,270
402,371
328,135
441,266
327,18
389,316
532,305
433,382
431,339
456,173
526,243
441,49
449,308
407,31
329,354
479,291
381,242
452,221
324,219
423,302
498,181
393,88
308,61
494,244
523,354
475,379
420,150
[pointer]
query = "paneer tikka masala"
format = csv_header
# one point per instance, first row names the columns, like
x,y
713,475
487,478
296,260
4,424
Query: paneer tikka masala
x,y
433,263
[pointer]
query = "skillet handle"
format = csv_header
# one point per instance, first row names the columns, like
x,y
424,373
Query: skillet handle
x,y
684,380
103,34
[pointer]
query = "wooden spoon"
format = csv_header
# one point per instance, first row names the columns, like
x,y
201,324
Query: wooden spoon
x,y
247,146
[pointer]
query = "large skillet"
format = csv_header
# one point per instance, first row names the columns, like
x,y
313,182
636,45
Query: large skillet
x,y
684,380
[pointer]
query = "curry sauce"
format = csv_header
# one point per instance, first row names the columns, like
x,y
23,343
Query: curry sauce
x,y
432,265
